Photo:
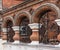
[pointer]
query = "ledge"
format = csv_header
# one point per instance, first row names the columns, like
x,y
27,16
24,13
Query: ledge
x,y
28,44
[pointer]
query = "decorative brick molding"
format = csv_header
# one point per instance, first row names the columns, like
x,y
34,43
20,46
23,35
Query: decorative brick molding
x,y
21,15
5,19
44,7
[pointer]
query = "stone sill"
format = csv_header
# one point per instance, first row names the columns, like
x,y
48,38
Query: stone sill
x,y
25,46
28,44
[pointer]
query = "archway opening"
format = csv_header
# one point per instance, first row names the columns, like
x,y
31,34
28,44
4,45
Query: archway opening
x,y
9,23
24,20
49,28
24,29
10,31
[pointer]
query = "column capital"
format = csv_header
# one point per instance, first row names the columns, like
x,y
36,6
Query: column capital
x,y
15,28
58,21
4,30
35,25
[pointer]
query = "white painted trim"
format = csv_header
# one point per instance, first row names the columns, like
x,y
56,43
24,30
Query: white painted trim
x,y
34,43
4,30
57,21
35,30
15,28
34,25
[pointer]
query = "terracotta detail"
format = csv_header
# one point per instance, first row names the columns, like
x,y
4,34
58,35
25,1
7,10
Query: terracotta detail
x,y
58,37
4,36
43,8
34,36
16,36
21,15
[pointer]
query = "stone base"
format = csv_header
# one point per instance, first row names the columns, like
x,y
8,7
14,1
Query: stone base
x,y
16,42
34,43
10,46
4,41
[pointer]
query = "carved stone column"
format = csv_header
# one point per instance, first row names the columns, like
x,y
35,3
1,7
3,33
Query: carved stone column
x,y
4,35
16,36
58,22
58,37
35,33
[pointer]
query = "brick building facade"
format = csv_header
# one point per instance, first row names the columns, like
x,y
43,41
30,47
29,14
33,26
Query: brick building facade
x,y
40,15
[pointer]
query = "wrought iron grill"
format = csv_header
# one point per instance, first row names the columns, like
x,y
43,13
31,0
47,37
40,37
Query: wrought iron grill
x,y
45,29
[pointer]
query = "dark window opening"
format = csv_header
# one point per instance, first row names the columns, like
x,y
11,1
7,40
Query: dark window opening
x,y
10,31
49,27
25,30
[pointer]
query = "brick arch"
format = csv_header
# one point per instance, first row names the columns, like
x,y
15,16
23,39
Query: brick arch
x,y
6,19
43,8
21,15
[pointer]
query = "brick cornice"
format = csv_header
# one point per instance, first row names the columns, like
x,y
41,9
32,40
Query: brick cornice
x,y
19,7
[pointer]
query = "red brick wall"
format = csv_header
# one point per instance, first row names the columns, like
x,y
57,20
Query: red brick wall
x,y
9,3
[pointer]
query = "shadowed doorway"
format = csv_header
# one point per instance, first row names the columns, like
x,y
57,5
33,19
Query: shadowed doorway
x,y
25,30
10,31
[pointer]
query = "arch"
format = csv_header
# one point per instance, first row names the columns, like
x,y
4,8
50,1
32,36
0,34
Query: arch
x,y
21,15
8,22
43,8
7,19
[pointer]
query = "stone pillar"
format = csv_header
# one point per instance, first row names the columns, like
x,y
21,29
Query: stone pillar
x,y
35,33
58,23
58,37
16,36
4,35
